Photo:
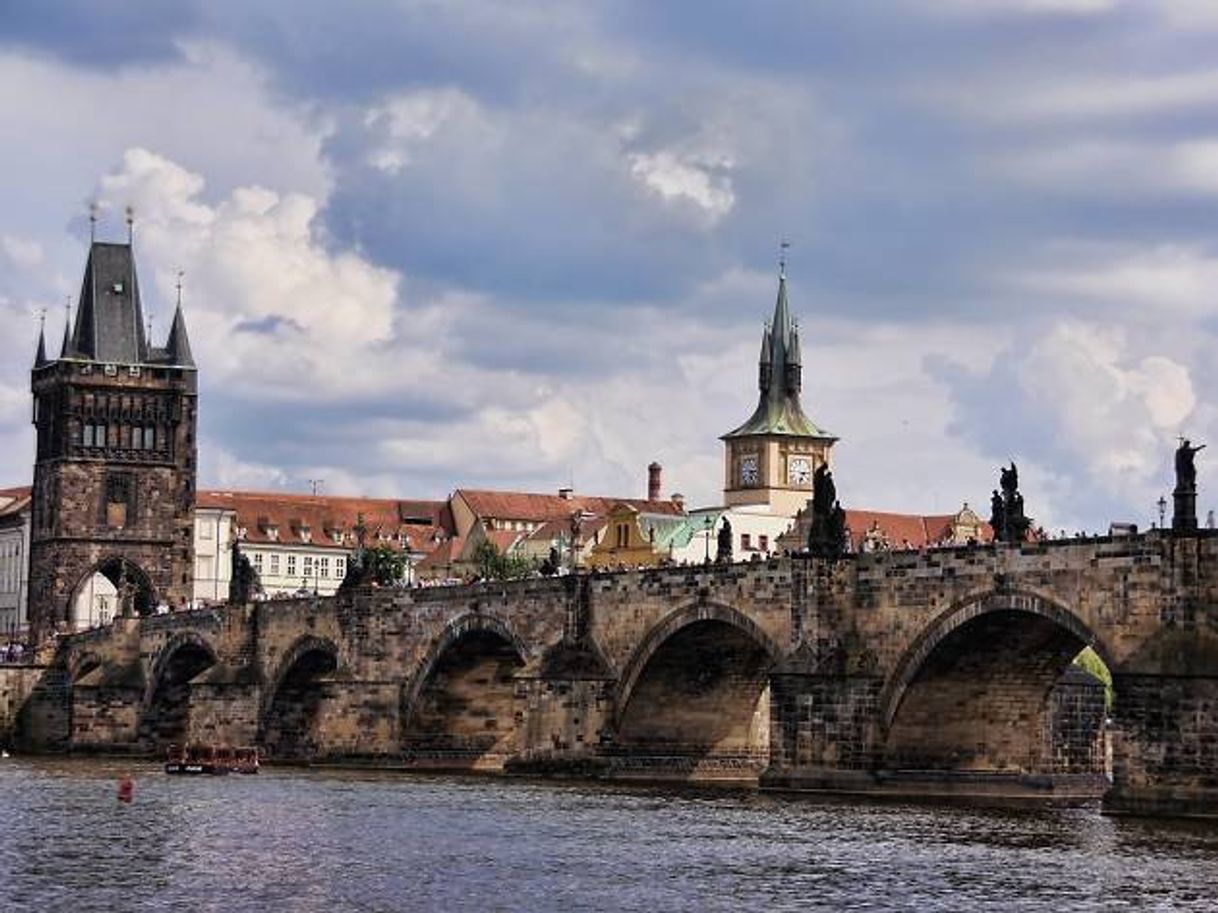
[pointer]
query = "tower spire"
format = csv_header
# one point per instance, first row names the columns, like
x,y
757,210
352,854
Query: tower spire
x,y
66,347
177,346
40,358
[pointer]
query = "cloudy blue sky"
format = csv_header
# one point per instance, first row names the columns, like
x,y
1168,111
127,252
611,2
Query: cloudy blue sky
x,y
431,244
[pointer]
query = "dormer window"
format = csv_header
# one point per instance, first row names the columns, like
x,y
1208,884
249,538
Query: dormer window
x,y
272,532
306,534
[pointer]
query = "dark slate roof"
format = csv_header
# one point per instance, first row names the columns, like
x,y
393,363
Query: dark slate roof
x,y
110,319
109,323
177,347
779,410
40,357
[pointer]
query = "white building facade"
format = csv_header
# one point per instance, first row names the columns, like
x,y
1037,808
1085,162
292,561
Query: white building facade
x,y
14,563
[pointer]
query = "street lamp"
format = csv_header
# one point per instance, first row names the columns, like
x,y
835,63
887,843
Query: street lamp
x,y
708,523
1162,510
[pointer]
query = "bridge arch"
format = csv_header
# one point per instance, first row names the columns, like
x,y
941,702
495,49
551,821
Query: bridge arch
x,y
165,708
973,691
459,707
289,716
673,623
697,689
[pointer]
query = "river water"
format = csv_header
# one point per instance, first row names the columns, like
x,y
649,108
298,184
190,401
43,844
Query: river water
x,y
326,841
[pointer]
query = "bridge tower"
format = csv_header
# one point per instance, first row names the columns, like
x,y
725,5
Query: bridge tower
x,y
115,467
771,458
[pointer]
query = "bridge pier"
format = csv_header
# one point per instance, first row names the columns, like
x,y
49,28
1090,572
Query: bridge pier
x,y
1165,746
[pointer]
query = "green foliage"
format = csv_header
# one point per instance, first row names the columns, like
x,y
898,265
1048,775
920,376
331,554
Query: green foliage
x,y
1090,661
492,564
386,566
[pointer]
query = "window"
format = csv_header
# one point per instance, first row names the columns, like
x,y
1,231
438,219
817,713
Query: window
x,y
258,562
291,565
205,567
308,566
93,434
340,567
323,567
205,530
746,541
763,543
274,565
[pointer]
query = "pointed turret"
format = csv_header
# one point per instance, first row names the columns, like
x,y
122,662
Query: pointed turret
x,y
65,347
177,347
764,362
40,357
795,370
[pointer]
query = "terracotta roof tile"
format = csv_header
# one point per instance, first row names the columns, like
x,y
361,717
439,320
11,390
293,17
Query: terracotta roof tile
x,y
541,508
421,524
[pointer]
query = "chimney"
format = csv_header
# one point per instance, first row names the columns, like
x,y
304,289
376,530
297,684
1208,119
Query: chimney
x,y
566,493
678,499
653,482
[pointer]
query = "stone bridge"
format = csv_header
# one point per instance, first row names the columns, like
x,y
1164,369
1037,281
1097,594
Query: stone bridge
x,y
939,671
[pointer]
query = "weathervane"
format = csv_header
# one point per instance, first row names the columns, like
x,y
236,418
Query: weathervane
x,y
782,257
130,225
92,221
180,273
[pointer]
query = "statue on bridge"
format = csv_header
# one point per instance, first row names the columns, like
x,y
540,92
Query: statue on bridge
x,y
723,549
244,585
827,531
1184,516
1007,518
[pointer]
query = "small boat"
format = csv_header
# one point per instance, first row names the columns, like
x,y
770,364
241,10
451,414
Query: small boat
x,y
194,760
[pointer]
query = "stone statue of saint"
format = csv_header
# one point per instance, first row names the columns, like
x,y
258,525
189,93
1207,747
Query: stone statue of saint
x,y
723,550
1186,469
824,491
1008,479
998,511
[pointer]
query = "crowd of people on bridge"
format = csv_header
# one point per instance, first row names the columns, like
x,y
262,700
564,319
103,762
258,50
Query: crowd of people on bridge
x,y
12,652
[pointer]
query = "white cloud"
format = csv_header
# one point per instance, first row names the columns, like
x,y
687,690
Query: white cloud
x,y
269,307
706,182
405,121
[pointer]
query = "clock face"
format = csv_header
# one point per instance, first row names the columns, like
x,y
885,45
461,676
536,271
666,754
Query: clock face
x,y
748,470
799,471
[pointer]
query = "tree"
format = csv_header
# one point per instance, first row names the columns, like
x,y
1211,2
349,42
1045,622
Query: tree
x,y
1090,661
386,566
492,564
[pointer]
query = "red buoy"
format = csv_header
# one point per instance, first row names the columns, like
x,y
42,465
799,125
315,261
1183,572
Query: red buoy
x,y
126,788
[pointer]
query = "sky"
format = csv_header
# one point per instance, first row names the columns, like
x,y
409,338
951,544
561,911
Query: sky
x,y
430,245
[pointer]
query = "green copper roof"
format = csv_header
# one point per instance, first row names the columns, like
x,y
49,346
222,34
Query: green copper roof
x,y
778,410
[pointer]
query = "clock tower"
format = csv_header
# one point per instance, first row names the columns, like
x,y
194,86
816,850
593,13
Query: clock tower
x,y
770,459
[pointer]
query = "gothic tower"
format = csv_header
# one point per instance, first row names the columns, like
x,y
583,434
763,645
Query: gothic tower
x,y
770,459
114,473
